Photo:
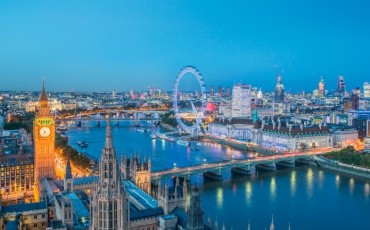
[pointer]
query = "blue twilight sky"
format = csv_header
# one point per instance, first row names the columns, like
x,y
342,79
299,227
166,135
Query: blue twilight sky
x,y
122,45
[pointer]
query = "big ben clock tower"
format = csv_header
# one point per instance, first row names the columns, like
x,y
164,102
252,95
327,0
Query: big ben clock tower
x,y
44,139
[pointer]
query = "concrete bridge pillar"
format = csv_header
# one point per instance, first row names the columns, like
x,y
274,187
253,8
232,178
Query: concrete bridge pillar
x,y
270,166
244,170
290,163
213,175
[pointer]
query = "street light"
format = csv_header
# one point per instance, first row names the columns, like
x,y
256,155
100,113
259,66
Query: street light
x,y
174,165
205,161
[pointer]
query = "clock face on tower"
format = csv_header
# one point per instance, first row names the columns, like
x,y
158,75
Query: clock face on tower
x,y
44,131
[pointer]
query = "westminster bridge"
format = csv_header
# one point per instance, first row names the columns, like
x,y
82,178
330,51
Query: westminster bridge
x,y
246,166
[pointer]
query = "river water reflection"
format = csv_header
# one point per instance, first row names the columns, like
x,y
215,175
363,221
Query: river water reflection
x,y
307,197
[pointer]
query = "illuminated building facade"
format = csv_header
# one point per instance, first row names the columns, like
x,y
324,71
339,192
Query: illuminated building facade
x,y
16,174
44,140
321,90
341,85
362,125
241,101
289,137
344,136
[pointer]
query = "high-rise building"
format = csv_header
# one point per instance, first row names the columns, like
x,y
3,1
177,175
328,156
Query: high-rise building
x,y
279,90
367,90
362,125
357,91
220,91
355,100
44,139
321,91
347,103
212,91
341,85
109,199
241,101
228,92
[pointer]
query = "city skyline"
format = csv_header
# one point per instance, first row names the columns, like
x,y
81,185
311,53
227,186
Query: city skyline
x,y
151,42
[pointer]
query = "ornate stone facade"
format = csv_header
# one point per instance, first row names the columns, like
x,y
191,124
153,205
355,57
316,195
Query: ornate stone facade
x,y
109,200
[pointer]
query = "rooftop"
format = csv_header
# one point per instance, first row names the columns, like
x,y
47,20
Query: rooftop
x,y
151,212
141,196
79,209
24,207
85,180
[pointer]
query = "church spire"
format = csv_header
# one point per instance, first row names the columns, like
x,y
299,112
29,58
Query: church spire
x,y
109,190
44,109
44,96
68,170
108,135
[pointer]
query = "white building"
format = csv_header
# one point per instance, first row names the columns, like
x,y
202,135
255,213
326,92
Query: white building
x,y
343,137
236,128
241,101
367,90
291,137
367,144
225,110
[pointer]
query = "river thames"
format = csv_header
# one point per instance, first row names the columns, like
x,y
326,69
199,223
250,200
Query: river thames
x,y
308,197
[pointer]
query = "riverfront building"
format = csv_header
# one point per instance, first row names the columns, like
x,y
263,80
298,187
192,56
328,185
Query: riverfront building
x,y
290,137
279,134
344,136
44,142
237,128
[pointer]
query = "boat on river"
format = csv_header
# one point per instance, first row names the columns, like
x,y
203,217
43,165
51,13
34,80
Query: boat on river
x,y
83,144
183,142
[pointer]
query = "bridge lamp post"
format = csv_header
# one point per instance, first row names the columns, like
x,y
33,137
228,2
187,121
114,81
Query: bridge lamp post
x,y
174,165
205,161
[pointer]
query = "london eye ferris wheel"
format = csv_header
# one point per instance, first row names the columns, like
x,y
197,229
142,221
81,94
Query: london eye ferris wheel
x,y
197,112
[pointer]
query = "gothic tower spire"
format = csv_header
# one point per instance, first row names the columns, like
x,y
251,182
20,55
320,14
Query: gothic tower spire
x,y
68,170
44,143
68,181
43,109
43,96
195,211
109,202
108,135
